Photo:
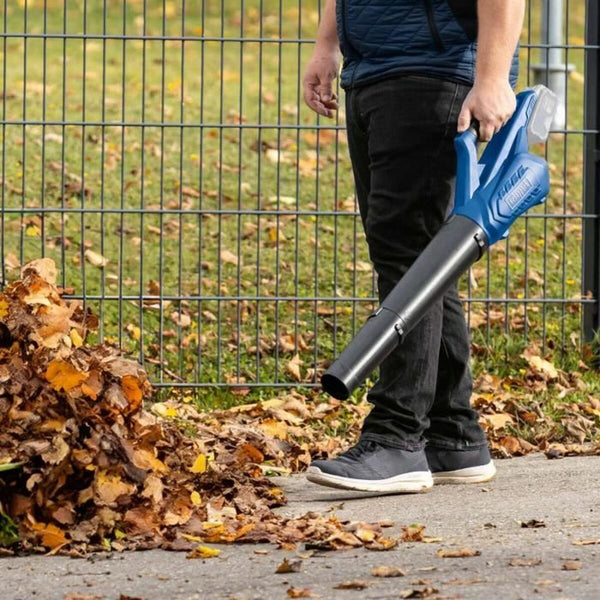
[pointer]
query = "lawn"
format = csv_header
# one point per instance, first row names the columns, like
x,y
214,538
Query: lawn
x,y
220,242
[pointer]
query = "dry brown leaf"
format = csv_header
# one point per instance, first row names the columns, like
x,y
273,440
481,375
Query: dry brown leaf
x,y
96,259
540,365
289,566
44,267
299,593
353,584
387,571
586,542
524,562
229,257
293,367
458,553
413,533
425,592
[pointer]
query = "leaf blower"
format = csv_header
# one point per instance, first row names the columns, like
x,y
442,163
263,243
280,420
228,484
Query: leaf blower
x,y
490,194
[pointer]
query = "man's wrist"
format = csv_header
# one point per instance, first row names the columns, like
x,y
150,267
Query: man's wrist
x,y
490,79
326,47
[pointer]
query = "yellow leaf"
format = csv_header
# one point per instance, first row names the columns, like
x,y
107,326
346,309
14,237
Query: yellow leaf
x,y
3,308
33,231
200,464
134,332
204,552
63,376
365,535
577,76
76,338
195,498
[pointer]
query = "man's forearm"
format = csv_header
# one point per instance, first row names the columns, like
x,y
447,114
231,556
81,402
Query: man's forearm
x,y
327,37
500,24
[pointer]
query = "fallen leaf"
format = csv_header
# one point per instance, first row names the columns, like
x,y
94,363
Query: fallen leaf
x,y
532,524
299,593
293,367
458,553
571,565
44,267
353,584
96,259
382,544
63,376
387,571
229,257
413,533
131,386
200,464
289,566
537,363
51,536
418,593
524,562
203,552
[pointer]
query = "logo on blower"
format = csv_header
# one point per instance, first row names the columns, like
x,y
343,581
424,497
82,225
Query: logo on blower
x,y
516,189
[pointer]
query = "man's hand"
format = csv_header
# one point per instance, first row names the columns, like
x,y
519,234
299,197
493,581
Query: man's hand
x,y
491,102
318,82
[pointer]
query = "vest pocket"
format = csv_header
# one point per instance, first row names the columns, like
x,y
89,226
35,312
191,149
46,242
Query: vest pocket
x,y
435,34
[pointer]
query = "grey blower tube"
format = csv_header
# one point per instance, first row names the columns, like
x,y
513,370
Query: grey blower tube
x,y
459,243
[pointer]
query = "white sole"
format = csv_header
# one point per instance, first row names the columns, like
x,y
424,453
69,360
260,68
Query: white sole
x,y
478,474
407,483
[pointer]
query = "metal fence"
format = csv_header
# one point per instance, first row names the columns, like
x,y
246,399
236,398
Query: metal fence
x,y
160,153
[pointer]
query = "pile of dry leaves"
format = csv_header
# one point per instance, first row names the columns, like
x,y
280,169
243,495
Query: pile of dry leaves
x,y
85,467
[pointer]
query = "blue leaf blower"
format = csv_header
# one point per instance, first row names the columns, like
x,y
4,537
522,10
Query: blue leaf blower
x,y
490,194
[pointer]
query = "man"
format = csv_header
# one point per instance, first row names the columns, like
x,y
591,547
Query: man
x,y
415,72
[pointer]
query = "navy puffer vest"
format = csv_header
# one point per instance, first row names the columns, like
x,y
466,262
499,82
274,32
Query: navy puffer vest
x,y
379,38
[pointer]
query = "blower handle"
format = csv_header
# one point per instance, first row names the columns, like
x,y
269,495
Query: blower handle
x,y
467,169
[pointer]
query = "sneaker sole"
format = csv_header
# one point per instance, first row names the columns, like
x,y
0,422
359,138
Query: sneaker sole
x,y
407,483
478,474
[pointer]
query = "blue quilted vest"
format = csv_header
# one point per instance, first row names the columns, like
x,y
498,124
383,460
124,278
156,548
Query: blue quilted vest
x,y
379,38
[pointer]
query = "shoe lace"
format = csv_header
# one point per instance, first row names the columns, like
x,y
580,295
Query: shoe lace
x,y
358,450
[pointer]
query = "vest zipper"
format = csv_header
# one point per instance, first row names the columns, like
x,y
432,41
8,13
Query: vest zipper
x,y
437,39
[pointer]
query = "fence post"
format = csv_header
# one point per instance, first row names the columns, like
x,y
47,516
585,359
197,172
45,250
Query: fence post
x,y
591,197
551,71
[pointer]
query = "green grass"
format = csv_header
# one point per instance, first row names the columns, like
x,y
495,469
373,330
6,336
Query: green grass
x,y
147,170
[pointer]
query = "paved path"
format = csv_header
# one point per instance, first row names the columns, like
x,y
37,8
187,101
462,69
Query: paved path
x,y
565,494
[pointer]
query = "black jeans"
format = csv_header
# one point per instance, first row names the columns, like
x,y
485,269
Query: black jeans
x,y
400,135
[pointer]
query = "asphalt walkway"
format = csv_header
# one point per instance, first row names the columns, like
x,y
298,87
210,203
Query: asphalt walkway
x,y
554,560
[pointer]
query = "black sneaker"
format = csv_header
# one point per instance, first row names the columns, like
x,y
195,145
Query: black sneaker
x,y
474,465
371,467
